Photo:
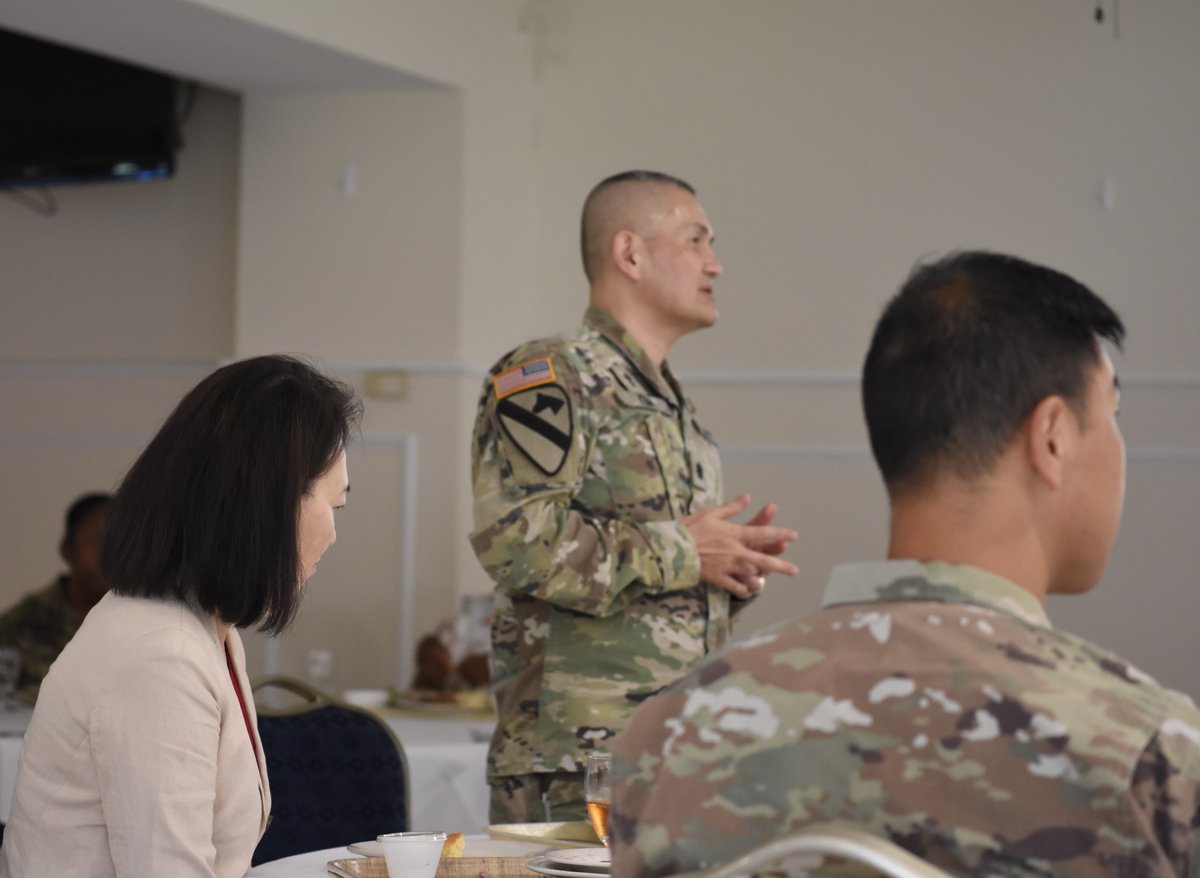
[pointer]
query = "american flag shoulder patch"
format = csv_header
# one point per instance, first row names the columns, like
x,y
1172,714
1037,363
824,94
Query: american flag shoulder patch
x,y
531,373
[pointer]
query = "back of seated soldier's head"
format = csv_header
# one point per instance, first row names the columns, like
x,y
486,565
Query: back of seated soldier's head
x,y
991,405
81,509
80,544
965,351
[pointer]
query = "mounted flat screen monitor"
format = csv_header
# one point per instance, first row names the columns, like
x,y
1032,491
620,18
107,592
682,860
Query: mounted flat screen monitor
x,y
68,116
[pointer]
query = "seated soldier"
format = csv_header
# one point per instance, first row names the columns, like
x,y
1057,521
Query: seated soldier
x,y
42,622
930,700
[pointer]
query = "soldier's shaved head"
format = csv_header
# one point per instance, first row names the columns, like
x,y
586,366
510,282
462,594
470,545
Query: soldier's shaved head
x,y
629,200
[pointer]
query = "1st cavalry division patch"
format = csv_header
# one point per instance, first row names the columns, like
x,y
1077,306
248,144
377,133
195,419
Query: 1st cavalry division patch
x,y
538,421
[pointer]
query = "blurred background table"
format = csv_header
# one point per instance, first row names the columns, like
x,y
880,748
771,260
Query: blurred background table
x,y
13,724
447,766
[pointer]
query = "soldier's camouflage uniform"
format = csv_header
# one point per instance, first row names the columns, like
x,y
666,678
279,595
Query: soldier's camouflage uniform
x,y
581,476
934,705
39,625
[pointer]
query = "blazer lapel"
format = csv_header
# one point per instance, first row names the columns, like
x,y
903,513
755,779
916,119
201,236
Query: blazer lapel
x,y
237,654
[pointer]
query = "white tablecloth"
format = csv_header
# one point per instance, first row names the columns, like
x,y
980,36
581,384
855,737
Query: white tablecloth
x,y
447,767
447,761
311,865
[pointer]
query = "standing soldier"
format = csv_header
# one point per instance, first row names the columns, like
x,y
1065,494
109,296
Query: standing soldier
x,y
598,508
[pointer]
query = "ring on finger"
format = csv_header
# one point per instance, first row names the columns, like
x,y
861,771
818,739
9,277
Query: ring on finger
x,y
760,582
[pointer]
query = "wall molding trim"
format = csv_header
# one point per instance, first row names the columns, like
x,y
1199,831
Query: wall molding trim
x,y
798,452
466,369
107,368
65,440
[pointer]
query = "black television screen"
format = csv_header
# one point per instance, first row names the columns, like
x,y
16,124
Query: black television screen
x,y
68,116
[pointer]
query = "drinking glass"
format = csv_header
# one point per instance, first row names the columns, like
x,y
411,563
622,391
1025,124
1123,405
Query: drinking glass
x,y
597,792
412,854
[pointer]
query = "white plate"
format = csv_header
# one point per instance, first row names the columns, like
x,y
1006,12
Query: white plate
x,y
543,866
427,706
498,847
366,697
475,846
592,859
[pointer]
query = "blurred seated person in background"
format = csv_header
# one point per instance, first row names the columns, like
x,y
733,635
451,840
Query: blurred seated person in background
x,y
929,700
143,756
42,622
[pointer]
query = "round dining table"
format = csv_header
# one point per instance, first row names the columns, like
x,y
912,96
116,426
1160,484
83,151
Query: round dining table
x,y
310,865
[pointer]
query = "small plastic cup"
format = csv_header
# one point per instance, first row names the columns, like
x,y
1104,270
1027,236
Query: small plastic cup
x,y
412,854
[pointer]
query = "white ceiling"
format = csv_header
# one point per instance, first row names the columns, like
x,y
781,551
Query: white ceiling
x,y
199,44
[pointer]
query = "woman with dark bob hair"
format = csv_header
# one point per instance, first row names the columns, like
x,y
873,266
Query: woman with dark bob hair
x,y
143,755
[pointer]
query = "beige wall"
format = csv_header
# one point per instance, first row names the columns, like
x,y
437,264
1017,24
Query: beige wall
x,y
833,142
432,245
109,310
350,235
350,224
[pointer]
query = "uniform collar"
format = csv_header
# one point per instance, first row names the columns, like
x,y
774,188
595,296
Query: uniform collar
x,y
869,582
63,599
660,379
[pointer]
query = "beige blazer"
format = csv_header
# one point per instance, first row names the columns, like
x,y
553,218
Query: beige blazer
x,y
137,761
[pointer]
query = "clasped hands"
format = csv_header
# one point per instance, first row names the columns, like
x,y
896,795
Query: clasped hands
x,y
738,557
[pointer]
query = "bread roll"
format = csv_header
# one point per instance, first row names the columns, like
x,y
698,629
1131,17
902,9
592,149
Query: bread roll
x,y
453,847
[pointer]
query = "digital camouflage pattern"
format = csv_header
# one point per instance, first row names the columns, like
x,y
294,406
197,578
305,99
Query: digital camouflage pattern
x,y
933,705
39,625
598,598
537,798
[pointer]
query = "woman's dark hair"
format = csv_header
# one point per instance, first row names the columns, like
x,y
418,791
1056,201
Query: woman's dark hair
x,y
964,352
209,511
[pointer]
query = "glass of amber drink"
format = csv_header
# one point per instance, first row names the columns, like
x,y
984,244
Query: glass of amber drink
x,y
597,792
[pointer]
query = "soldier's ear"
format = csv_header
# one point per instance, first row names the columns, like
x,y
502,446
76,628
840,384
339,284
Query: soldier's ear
x,y
1047,434
627,253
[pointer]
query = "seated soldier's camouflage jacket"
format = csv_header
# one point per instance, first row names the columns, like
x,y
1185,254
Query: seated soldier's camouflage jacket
x,y
585,458
933,705
39,625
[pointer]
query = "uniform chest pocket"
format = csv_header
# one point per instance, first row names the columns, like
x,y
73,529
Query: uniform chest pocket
x,y
638,458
